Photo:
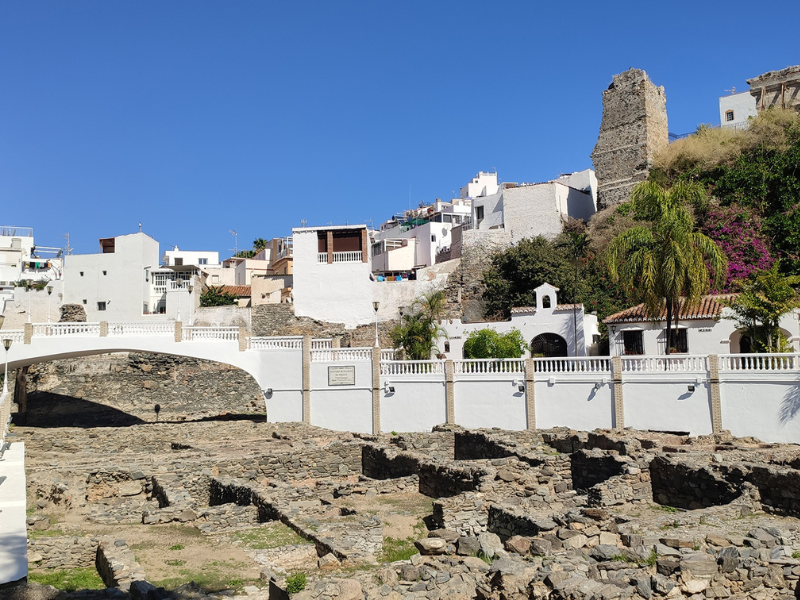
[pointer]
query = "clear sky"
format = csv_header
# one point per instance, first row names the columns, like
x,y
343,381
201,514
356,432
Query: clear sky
x,y
197,117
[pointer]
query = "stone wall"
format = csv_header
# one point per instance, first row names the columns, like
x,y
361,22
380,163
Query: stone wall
x,y
777,88
633,129
685,484
383,463
442,481
62,553
133,383
73,313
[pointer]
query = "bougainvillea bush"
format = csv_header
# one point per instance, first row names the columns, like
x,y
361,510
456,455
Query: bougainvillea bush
x,y
737,231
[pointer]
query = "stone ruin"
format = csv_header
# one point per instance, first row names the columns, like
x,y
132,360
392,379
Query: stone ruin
x,y
633,129
777,88
526,514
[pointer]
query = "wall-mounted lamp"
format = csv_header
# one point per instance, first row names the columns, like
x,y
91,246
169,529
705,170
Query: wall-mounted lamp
x,y
388,388
600,384
691,389
268,392
551,381
519,385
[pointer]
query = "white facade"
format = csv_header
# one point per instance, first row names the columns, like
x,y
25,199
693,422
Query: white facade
x,y
530,210
198,258
736,109
337,292
532,322
21,261
483,184
114,284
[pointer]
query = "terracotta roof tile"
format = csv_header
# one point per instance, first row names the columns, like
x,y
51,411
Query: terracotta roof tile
x,y
530,309
709,307
240,291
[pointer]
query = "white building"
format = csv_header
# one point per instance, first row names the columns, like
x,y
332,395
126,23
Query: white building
x,y
332,279
199,258
483,184
703,329
736,109
529,210
412,240
21,260
114,285
551,329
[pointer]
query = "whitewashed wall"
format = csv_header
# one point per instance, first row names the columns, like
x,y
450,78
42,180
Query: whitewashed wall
x,y
417,403
343,408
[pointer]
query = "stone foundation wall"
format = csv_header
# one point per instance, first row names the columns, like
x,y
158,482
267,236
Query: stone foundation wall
x,y
689,485
62,552
383,463
590,467
442,481
439,444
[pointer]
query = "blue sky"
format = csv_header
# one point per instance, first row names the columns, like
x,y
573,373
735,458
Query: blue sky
x,y
197,117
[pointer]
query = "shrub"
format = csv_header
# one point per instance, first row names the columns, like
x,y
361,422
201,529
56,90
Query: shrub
x,y
295,583
215,296
488,343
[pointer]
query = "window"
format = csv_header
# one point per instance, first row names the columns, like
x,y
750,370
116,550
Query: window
x,y
84,300
433,238
215,279
144,308
680,342
178,262
81,273
729,115
101,306
105,272
447,346
202,261
479,214
632,342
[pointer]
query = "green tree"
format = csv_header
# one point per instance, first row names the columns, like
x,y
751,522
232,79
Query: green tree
x,y
259,244
417,332
761,304
488,343
665,259
576,244
216,296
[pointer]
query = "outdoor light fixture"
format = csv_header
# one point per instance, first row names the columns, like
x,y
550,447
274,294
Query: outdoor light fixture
x,y
7,346
268,392
388,388
519,385
49,291
597,386
691,389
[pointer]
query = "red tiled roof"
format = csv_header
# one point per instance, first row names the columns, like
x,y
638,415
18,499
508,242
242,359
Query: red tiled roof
x,y
527,309
709,307
240,291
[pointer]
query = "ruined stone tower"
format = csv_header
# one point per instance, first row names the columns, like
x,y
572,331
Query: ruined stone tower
x,y
633,130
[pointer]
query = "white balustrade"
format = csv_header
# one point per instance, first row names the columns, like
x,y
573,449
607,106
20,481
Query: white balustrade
x,y
322,257
194,334
275,343
353,256
66,329
664,364
341,355
759,362
572,365
412,367
482,366
322,344
389,354
139,329
17,336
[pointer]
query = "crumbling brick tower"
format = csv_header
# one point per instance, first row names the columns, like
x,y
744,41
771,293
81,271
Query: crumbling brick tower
x,y
777,88
633,130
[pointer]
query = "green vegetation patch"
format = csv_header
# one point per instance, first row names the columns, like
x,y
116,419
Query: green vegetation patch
x,y
69,580
273,535
214,576
295,582
394,549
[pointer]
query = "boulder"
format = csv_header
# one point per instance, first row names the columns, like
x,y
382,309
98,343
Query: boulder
x,y
431,546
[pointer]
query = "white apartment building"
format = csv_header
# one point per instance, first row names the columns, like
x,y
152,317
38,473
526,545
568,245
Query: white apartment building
x,y
115,284
736,109
198,258
533,209
412,240
21,260
483,184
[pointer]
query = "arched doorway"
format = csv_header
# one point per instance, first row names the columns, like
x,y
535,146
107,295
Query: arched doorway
x,y
550,345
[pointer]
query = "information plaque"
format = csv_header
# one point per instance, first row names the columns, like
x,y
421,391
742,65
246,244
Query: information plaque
x,y
342,375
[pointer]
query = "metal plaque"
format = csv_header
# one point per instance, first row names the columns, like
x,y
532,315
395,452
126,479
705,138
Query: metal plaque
x,y
342,375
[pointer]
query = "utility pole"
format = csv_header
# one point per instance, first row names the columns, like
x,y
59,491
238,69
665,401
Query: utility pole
x,y
67,250
235,241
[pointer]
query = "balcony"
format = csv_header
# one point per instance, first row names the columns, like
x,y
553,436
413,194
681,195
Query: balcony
x,y
340,257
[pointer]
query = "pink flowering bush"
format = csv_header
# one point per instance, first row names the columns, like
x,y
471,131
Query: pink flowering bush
x,y
737,231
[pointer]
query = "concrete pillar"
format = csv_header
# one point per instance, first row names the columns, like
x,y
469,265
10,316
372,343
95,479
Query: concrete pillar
x,y
530,393
713,384
28,333
103,328
306,379
243,335
178,331
330,247
21,395
449,391
616,388
376,390
336,342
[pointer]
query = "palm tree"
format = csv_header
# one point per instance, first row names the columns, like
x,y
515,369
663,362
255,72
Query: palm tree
x,y
259,244
576,245
667,259
417,332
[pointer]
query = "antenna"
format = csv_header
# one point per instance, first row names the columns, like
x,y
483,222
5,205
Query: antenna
x,y
67,249
235,241
732,90
140,228
303,222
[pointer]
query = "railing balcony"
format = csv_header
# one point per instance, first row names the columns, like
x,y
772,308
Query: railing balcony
x,y
572,365
145,328
196,334
353,256
66,329
322,257
759,362
412,367
275,343
482,366
662,364
341,355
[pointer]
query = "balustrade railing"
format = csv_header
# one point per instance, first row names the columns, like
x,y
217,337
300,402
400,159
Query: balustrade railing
x,y
389,354
322,257
194,334
17,336
759,362
480,366
275,343
145,328
573,365
352,256
66,329
341,355
322,344
412,367
664,364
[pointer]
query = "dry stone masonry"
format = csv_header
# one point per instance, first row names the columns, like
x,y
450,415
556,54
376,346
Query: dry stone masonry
x,y
633,129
